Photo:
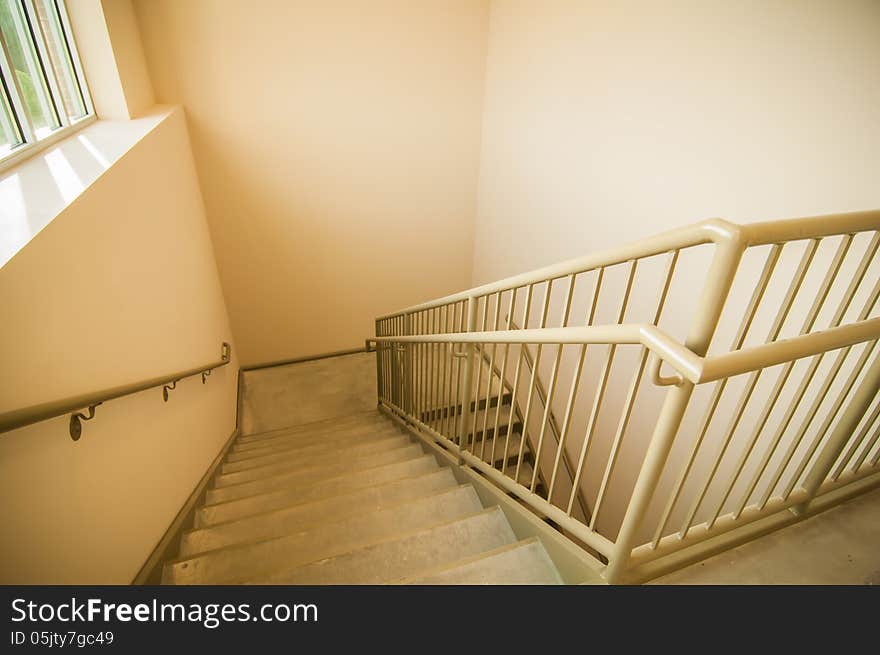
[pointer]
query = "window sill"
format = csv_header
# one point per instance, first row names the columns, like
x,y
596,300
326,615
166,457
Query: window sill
x,y
37,189
27,151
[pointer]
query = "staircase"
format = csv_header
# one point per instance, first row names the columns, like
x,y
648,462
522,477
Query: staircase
x,y
352,500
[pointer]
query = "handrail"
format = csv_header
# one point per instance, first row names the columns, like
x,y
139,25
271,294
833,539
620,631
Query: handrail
x,y
18,418
716,230
777,448
691,366
710,231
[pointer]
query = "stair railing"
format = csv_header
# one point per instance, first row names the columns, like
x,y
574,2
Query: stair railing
x,y
716,470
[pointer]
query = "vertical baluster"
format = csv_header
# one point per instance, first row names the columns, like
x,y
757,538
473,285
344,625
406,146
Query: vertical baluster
x,y
858,405
631,394
604,376
480,363
809,321
832,413
794,403
831,376
551,390
857,442
442,353
535,366
719,279
779,321
458,320
575,383
471,314
378,364
491,379
432,347
510,309
519,360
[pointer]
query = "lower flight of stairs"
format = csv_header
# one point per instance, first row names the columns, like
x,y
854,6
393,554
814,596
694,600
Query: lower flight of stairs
x,y
353,500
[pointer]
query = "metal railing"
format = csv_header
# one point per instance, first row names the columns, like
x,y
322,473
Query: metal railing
x,y
679,451
34,414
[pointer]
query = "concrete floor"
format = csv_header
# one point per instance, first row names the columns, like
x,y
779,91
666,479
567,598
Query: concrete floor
x,y
839,546
305,392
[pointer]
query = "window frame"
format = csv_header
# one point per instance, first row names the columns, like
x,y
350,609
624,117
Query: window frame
x,y
11,88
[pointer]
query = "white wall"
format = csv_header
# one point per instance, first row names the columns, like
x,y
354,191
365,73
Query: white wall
x,y
122,285
605,122
337,147
609,121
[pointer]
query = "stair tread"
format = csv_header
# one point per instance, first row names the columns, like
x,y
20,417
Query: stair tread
x,y
275,522
325,425
524,562
313,457
264,558
388,561
215,512
227,488
301,444
240,447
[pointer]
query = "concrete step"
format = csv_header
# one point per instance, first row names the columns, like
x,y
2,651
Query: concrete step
x,y
242,483
324,455
319,427
385,562
524,562
311,438
301,516
302,446
326,540
218,512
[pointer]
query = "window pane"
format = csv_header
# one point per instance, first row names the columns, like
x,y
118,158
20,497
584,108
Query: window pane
x,y
59,58
9,135
28,73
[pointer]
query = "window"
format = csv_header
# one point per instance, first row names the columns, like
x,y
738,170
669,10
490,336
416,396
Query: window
x,y
43,93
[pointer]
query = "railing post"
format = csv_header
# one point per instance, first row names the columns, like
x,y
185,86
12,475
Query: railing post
x,y
467,390
407,367
379,385
652,468
854,412
719,279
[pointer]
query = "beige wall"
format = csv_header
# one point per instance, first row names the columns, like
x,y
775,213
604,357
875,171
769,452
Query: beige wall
x,y
337,147
609,121
120,286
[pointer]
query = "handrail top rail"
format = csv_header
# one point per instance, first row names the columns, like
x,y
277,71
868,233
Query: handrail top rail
x,y
18,418
714,230
665,348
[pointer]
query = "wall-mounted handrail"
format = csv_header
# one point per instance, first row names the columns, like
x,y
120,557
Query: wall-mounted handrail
x,y
18,418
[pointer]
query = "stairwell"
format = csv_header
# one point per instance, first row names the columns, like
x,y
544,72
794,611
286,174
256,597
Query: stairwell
x,y
351,500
